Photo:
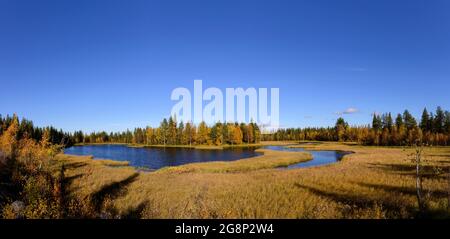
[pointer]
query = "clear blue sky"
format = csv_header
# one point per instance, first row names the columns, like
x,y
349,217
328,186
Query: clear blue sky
x,y
111,65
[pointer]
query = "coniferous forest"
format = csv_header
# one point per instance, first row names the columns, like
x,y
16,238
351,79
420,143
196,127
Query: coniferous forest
x,y
433,128
385,130
170,132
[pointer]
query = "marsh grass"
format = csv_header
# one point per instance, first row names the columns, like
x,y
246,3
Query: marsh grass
x,y
374,182
268,159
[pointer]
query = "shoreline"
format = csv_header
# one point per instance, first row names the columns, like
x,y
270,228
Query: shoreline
x,y
285,162
266,160
219,147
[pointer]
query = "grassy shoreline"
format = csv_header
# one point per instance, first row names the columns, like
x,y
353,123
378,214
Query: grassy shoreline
x,y
268,160
374,182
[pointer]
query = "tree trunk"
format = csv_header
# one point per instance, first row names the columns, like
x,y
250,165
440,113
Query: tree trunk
x,y
419,182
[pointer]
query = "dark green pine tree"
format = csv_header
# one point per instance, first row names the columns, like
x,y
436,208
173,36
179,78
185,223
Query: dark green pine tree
x,y
387,121
376,122
425,121
341,122
409,120
447,122
439,120
399,121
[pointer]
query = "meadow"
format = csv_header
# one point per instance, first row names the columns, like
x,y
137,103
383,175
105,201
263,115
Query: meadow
x,y
373,182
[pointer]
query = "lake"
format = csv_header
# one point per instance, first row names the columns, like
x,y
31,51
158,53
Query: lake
x,y
321,157
156,157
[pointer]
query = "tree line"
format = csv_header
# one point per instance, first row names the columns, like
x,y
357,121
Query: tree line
x,y
170,132
432,129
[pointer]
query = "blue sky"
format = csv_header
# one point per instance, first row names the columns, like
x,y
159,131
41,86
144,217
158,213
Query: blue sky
x,y
112,65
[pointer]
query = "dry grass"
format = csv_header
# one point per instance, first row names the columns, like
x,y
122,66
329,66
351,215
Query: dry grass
x,y
374,182
268,159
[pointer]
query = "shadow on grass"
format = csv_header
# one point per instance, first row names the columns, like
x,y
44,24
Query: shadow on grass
x,y
99,204
111,191
136,212
428,171
392,209
66,183
404,190
74,165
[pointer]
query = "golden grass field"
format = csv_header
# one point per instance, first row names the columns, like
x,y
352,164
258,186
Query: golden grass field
x,y
374,182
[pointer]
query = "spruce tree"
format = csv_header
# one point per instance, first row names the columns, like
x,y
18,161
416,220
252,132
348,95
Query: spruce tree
x,y
447,122
180,131
340,127
409,120
425,121
439,120
387,121
164,131
399,121
376,122
390,122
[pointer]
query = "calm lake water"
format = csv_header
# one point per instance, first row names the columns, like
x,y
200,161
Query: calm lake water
x,y
319,157
155,158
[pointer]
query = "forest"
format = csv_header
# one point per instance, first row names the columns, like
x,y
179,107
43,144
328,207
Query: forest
x,y
172,133
432,129
26,129
385,130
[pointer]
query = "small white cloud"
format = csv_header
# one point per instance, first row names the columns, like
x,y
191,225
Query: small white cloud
x,y
350,110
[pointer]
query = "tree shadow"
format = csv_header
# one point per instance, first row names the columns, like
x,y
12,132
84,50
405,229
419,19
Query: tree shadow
x,y
66,184
403,190
360,201
427,171
443,161
98,204
136,212
393,209
68,180
74,165
111,191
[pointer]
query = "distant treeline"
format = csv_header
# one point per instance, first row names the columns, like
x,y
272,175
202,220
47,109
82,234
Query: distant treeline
x,y
404,129
170,132
432,129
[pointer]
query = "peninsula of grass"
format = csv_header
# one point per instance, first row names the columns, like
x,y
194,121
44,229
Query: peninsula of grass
x,y
268,159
